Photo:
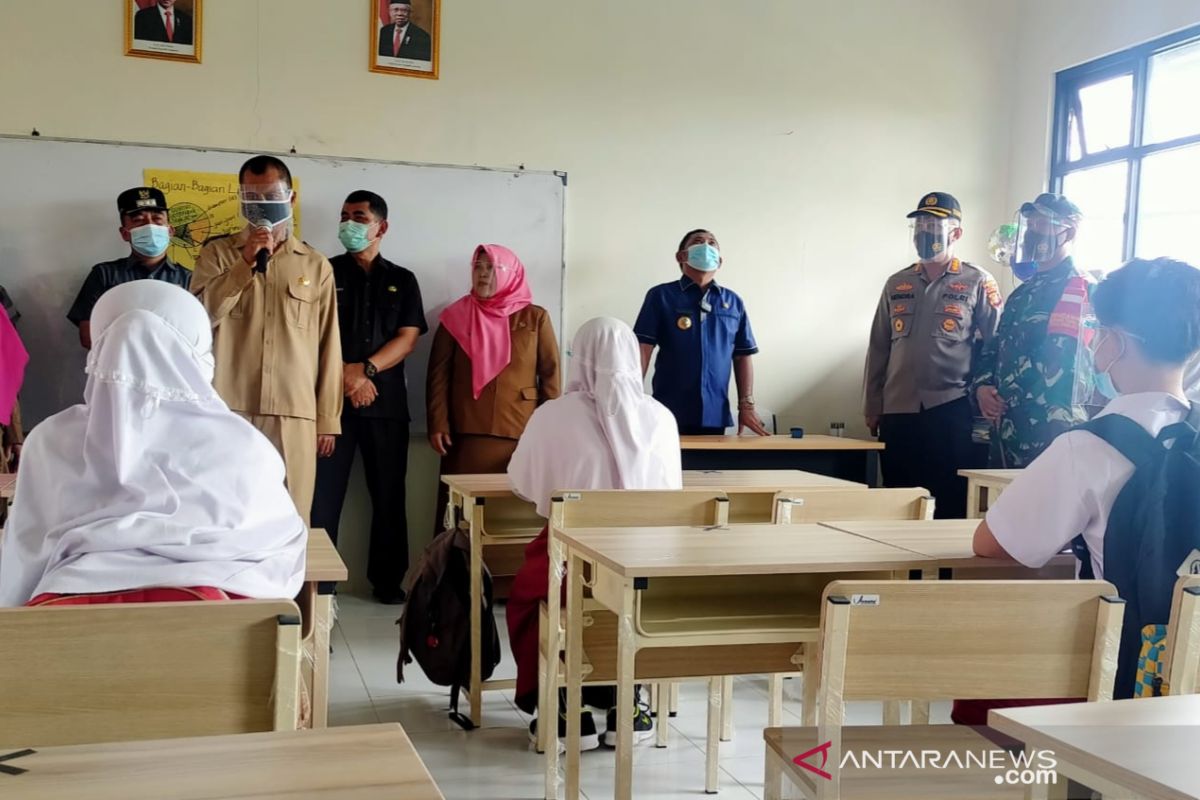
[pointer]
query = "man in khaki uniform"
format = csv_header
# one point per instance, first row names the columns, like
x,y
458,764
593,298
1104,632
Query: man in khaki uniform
x,y
275,331
919,360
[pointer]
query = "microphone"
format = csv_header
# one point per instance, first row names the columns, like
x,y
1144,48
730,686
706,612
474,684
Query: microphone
x,y
264,255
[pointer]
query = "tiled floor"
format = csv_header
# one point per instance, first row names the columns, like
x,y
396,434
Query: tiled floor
x,y
496,761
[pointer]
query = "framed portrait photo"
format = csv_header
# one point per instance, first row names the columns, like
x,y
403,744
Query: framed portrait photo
x,y
404,37
169,29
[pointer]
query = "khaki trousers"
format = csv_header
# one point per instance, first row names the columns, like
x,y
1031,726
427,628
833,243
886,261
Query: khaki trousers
x,y
296,441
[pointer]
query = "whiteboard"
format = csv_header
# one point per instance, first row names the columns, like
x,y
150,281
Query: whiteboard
x,y
58,217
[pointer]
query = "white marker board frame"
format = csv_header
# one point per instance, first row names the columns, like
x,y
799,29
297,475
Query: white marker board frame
x,y
58,217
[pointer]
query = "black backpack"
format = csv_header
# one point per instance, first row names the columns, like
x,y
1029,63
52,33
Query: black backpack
x,y
435,626
1153,527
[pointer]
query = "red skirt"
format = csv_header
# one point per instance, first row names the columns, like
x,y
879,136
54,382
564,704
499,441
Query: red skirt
x,y
158,594
530,587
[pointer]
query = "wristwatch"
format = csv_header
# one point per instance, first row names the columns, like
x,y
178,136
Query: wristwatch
x,y
370,369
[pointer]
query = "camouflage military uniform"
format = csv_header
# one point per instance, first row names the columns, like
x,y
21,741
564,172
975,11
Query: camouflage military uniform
x,y
1039,364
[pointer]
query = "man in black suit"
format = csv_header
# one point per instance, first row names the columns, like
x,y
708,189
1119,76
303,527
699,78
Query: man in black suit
x,y
402,39
162,22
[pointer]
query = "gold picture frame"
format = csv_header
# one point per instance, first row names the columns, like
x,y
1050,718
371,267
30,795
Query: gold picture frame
x,y
415,49
147,35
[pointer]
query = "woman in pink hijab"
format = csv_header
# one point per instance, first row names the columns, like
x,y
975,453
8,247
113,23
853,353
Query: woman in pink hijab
x,y
494,361
13,359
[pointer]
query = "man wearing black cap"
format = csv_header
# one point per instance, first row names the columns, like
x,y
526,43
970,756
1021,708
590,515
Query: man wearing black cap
x,y
918,371
401,38
144,224
1035,377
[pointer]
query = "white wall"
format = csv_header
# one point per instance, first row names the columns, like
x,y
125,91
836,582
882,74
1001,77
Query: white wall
x,y
1060,34
800,132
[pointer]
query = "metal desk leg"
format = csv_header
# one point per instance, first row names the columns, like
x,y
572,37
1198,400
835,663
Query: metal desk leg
x,y
973,492
574,668
626,652
322,623
712,741
727,708
872,469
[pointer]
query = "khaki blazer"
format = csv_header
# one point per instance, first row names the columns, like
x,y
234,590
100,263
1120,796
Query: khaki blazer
x,y
506,404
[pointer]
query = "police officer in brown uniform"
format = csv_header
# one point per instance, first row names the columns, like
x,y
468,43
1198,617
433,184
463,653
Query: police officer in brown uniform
x,y
275,330
919,360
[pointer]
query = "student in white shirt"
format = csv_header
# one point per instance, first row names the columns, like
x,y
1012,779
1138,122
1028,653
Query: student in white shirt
x,y
1149,328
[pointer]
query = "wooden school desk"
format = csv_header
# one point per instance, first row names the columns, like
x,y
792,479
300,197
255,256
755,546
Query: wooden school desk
x,y
623,563
469,495
367,762
984,486
850,459
1144,748
323,569
947,544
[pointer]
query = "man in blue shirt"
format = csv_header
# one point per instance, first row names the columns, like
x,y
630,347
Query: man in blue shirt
x,y
702,333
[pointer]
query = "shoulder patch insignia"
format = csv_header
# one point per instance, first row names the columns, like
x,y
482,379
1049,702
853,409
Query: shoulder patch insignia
x,y
898,325
993,294
949,325
903,287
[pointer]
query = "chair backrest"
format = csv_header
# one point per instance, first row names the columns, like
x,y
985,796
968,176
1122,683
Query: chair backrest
x,y
618,509
1183,637
937,640
797,506
107,673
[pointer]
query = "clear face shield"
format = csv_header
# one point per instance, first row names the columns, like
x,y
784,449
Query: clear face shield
x,y
1036,239
267,205
932,237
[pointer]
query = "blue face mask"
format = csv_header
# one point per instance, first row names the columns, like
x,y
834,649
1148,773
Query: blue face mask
x,y
1105,385
354,236
150,240
1104,381
704,257
1024,270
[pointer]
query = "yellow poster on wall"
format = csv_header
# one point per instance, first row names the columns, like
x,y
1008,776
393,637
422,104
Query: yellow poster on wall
x,y
203,206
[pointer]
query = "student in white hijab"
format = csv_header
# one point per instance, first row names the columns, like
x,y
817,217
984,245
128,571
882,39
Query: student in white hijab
x,y
604,433
152,483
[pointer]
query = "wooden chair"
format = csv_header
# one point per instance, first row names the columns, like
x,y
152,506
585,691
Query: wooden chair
x,y
504,526
604,509
936,640
108,673
794,507
1183,637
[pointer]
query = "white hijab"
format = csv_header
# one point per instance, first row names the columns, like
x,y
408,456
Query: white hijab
x,y
152,481
605,432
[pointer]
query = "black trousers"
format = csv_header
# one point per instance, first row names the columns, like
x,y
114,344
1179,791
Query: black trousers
x,y
384,444
928,449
